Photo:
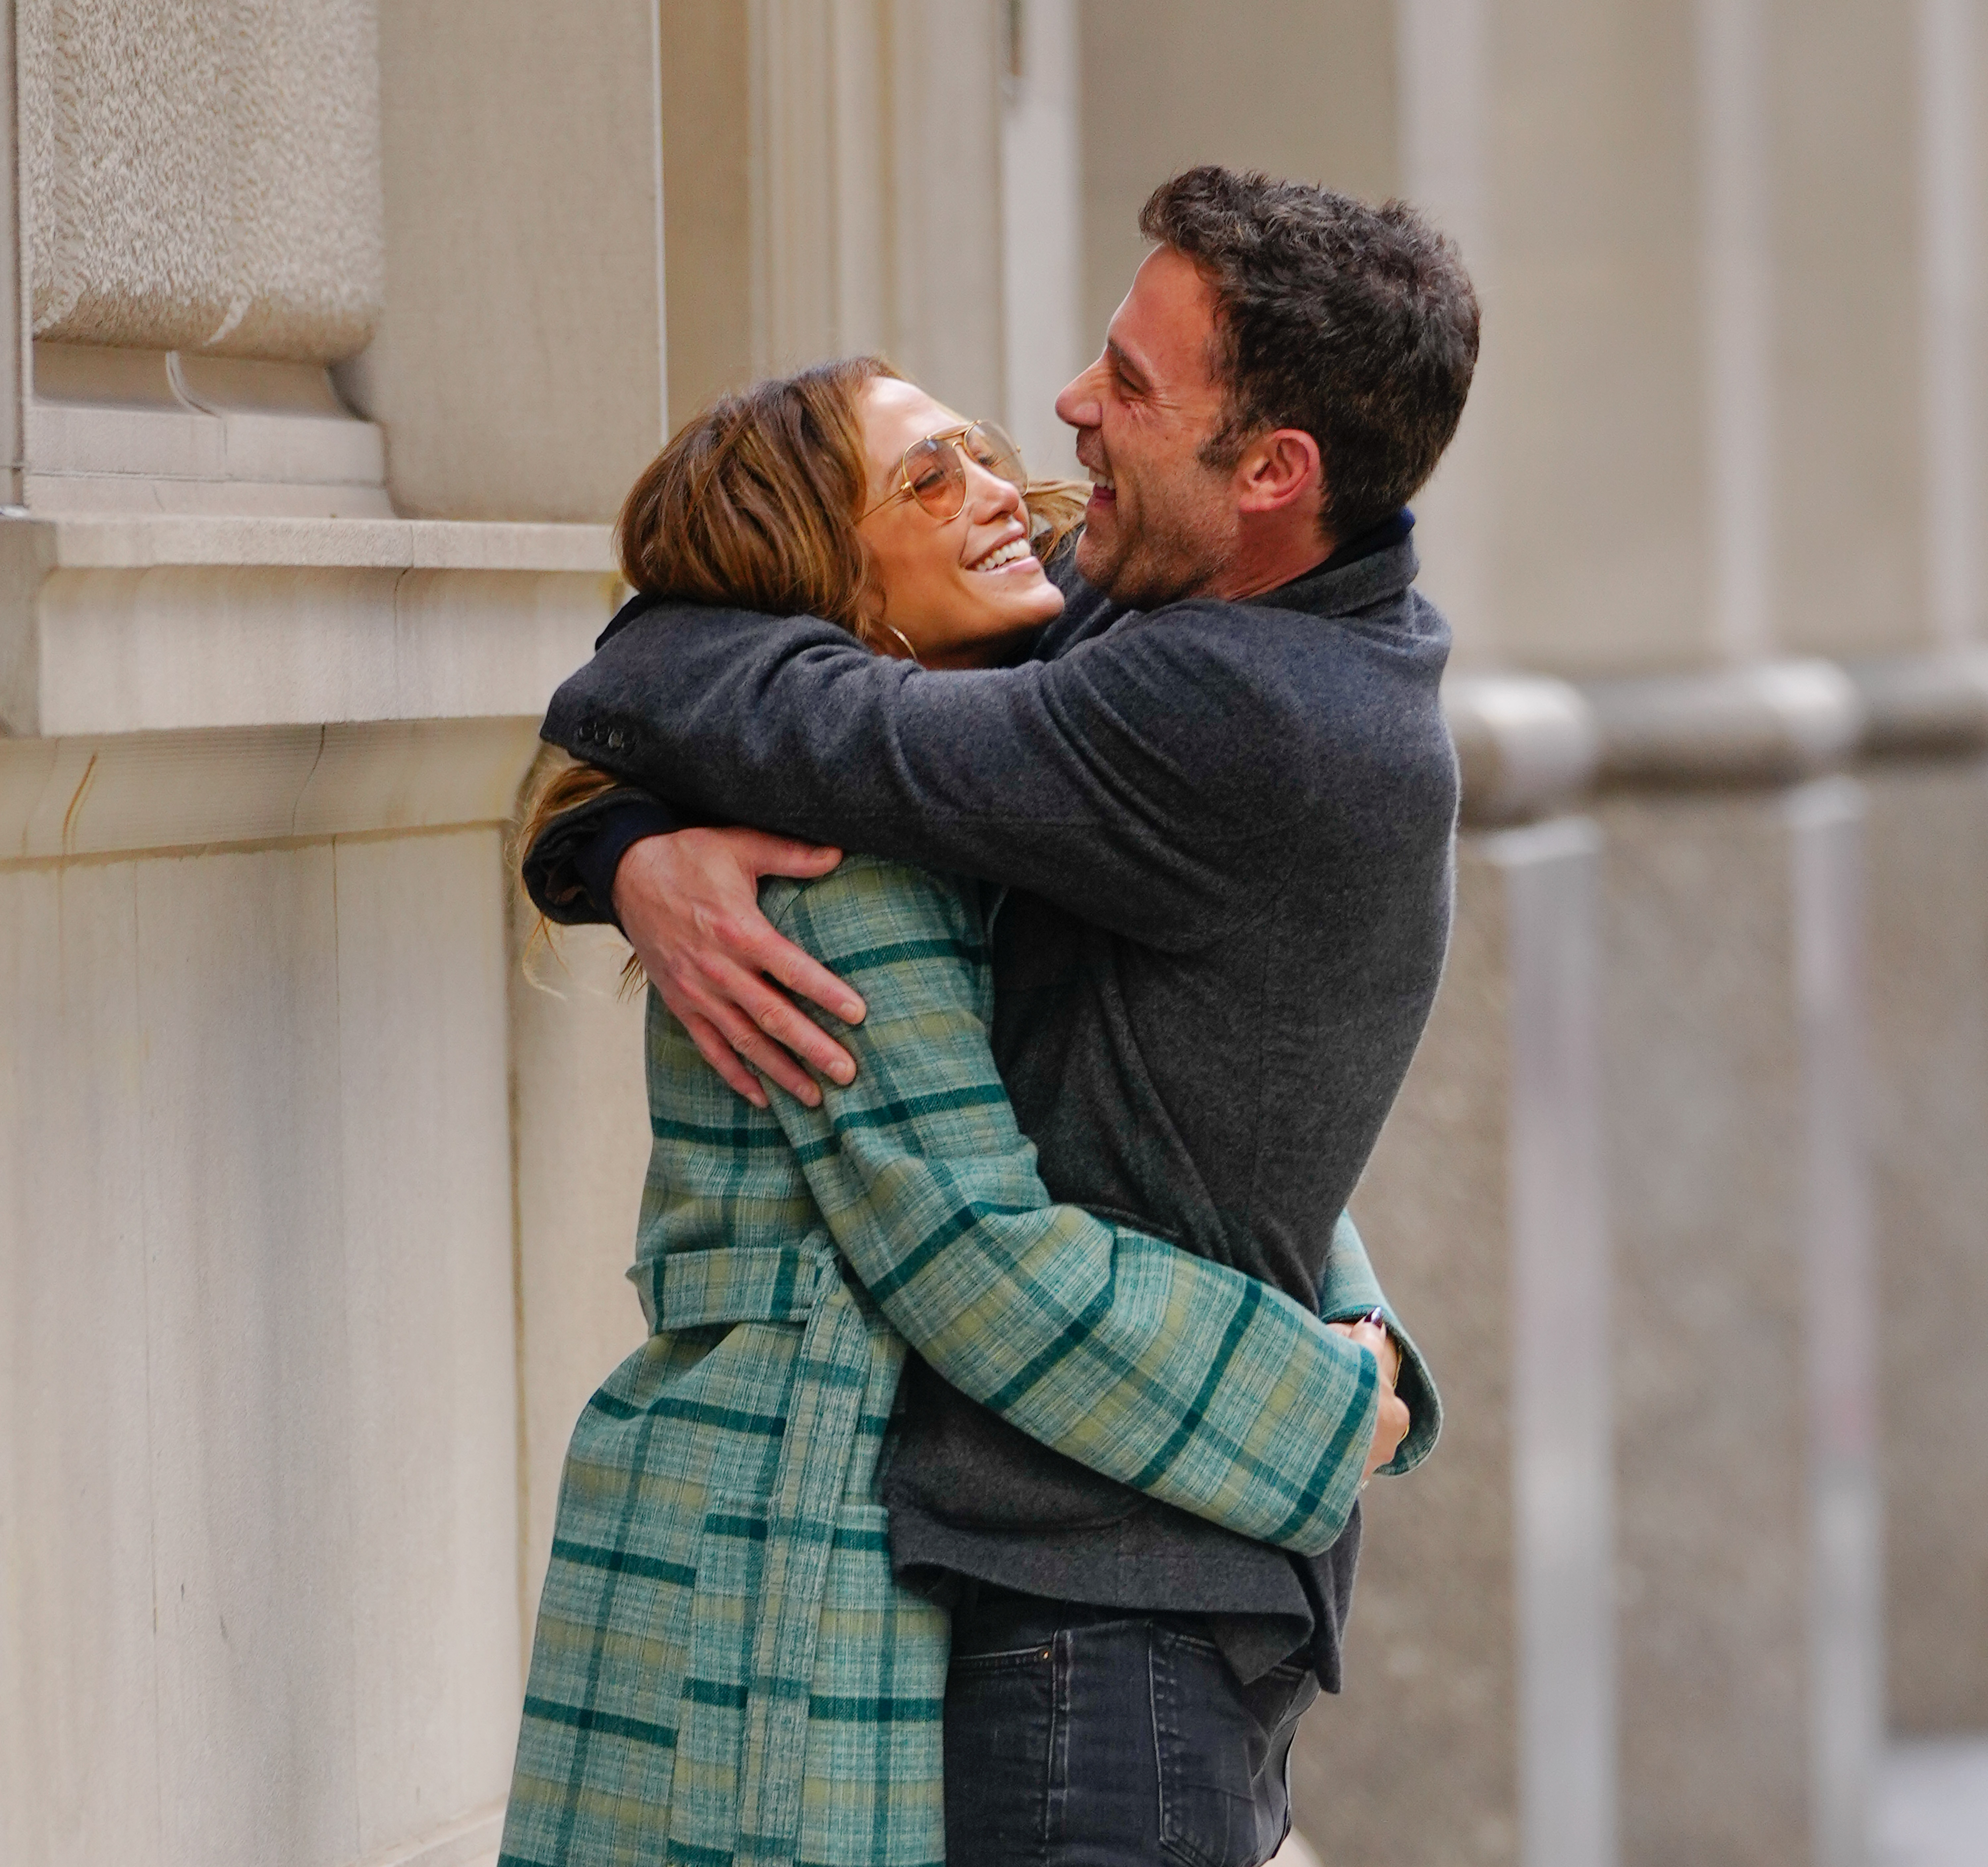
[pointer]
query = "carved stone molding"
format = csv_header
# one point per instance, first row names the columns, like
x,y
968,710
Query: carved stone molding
x,y
112,626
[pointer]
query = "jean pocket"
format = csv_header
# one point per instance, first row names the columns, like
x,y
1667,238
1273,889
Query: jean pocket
x,y
1000,1712
1222,1748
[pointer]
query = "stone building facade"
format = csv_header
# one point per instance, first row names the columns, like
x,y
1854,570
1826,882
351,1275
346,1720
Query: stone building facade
x,y
330,334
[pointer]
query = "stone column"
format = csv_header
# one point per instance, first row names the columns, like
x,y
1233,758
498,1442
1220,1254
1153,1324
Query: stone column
x,y
1619,520
1042,249
852,200
1888,221
1484,1633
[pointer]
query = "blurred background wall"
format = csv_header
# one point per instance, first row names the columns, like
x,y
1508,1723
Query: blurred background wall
x,y
329,336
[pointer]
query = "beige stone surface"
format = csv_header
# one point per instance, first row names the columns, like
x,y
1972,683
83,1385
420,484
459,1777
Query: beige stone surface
x,y
708,197
1432,1659
1302,88
581,1135
1600,560
1928,909
203,178
944,188
255,1261
1481,1632
131,625
148,432
1042,233
77,1634
1745,1629
855,206
518,366
1851,492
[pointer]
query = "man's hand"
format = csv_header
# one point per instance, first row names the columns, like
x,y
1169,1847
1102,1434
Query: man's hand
x,y
689,904
1391,1418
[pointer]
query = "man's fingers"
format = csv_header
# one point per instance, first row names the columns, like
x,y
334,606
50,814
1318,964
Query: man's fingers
x,y
711,1047
802,973
766,854
766,1055
777,1019
799,1034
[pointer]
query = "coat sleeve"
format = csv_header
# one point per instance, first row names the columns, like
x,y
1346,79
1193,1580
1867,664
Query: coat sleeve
x,y
1132,780
1184,1379
1350,1289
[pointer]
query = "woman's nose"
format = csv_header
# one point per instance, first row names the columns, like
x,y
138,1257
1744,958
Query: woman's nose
x,y
991,494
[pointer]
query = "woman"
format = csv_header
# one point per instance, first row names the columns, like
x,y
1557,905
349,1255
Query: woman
x,y
724,1667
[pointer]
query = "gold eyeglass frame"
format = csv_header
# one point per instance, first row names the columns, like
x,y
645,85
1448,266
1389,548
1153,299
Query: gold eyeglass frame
x,y
903,489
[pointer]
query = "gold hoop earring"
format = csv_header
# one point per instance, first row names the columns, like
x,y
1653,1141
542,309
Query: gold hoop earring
x,y
911,653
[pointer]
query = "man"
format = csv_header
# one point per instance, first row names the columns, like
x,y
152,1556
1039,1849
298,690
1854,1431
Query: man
x,y
1222,792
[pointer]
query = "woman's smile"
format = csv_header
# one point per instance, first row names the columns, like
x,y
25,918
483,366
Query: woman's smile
x,y
956,592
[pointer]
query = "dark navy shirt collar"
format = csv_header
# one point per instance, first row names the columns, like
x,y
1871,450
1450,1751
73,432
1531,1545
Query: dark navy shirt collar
x,y
1392,531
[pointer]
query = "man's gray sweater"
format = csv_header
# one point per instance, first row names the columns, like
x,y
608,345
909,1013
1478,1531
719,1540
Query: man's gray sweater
x,y
1228,828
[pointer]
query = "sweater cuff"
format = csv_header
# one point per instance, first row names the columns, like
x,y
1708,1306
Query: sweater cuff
x,y
568,872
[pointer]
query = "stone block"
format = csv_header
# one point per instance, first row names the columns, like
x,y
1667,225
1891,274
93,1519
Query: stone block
x,y
1746,1524
203,178
1928,922
258,1419
582,1113
1476,1724
519,366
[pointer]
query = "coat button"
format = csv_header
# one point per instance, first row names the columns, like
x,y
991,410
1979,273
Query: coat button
x,y
614,740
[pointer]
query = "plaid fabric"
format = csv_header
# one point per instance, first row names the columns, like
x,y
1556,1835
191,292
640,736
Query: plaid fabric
x,y
724,1668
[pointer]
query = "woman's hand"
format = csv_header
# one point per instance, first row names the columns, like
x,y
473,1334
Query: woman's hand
x,y
689,904
1391,1418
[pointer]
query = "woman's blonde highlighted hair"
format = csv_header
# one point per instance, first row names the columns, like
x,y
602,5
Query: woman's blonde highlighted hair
x,y
753,505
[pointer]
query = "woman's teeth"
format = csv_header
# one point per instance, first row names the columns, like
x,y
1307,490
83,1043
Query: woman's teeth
x,y
1014,549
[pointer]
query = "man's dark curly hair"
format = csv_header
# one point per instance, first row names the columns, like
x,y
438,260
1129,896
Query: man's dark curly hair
x,y
1356,324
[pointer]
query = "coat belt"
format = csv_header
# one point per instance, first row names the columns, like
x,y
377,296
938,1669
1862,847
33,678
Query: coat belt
x,y
839,1360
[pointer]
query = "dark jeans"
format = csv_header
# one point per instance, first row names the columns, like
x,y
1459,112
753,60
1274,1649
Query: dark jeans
x,y
1084,1737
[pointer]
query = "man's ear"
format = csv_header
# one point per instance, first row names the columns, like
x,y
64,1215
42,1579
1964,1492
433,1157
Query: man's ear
x,y
1278,469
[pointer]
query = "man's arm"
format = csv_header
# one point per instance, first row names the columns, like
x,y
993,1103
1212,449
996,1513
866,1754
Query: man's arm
x,y
1183,1379
1132,780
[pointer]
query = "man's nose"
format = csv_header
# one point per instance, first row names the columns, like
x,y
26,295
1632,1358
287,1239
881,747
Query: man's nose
x,y
1079,403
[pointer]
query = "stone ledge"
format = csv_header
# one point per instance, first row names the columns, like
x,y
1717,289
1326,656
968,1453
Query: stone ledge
x,y
121,542
1526,745
135,792
1774,723
470,1842
118,625
1923,705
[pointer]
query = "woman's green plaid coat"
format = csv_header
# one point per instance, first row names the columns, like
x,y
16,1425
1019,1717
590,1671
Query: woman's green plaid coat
x,y
725,1669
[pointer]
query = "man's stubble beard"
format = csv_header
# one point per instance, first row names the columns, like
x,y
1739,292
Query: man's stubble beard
x,y
1164,560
